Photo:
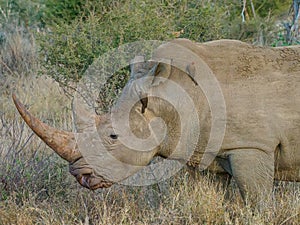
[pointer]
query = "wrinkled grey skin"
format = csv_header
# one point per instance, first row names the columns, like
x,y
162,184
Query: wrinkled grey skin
x,y
261,89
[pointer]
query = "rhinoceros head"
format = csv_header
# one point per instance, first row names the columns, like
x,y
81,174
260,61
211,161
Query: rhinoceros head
x,y
122,147
64,144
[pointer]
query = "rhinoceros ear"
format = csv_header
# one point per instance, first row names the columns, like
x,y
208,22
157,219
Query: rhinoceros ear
x,y
161,70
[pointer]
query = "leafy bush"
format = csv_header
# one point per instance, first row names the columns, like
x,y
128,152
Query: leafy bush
x,y
71,48
95,27
57,11
76,33
60,12
202,22
83,32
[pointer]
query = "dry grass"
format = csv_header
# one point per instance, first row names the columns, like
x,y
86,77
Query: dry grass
x,y
17,51
36,187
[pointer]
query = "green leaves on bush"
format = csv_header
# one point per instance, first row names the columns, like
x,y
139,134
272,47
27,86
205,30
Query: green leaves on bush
x,y
71,48
57,11
77,32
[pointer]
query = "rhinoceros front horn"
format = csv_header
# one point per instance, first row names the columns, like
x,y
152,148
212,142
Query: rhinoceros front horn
x,y
62,142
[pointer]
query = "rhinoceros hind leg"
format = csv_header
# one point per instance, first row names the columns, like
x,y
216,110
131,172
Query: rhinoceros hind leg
x,y
253,171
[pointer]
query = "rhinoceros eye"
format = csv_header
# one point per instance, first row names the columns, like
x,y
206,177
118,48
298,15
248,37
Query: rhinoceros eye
x,y
113,136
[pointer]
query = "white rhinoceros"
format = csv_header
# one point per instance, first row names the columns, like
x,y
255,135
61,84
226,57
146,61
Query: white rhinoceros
x,y
260,93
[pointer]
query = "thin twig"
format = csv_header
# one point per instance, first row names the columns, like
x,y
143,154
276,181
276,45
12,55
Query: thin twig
x,y
253,9
289,218
2,12
6,66
243,10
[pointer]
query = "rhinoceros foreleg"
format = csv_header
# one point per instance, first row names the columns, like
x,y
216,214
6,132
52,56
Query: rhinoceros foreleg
x,y
253,171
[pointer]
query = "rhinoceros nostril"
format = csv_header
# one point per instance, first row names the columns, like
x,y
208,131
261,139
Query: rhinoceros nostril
x,y
83,180
113,136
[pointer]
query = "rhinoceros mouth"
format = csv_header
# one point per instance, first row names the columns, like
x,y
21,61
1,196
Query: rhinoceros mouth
x,y
92,182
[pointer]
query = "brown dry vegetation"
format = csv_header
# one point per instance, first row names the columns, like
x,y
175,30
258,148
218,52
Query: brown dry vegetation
x,y
36,187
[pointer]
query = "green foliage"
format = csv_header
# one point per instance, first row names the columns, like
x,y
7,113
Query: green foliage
x,y
77,32
80,33
71,48
202,22
267,8
57,11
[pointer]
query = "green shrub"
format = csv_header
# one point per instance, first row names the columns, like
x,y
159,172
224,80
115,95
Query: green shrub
x,y
71,48
81,32
57,11
202,22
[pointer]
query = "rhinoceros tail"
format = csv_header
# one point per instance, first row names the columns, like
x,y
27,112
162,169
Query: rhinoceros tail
x,y
62,142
